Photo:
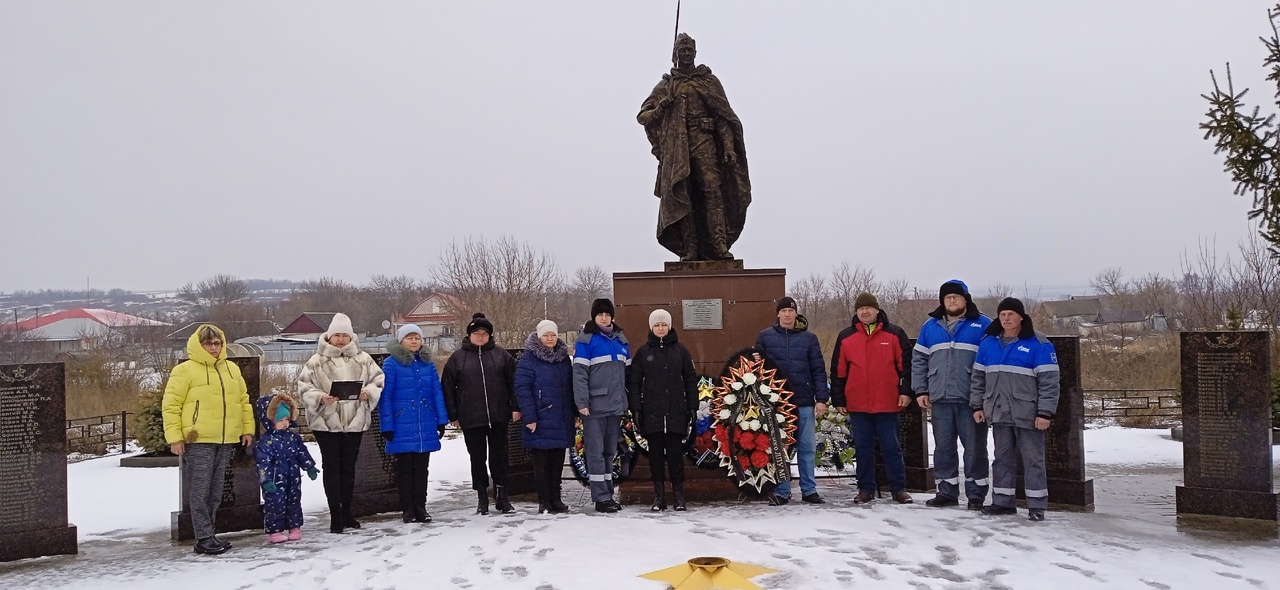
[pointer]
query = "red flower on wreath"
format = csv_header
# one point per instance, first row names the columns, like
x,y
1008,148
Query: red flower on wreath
x,y
759,459
746,440
722,435
744,461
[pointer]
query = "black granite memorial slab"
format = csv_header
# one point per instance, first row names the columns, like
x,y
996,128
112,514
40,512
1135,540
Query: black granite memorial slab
x,y
1064,441
1226,425
33,462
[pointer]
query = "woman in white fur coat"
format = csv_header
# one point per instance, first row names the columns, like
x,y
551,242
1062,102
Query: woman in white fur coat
x,y
339,424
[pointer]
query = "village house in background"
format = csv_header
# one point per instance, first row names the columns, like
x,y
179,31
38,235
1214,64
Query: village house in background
x,y
42,337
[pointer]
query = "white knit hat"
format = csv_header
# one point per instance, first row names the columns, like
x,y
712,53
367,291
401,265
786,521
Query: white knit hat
x,y
659,315
406,330
340,324
546,326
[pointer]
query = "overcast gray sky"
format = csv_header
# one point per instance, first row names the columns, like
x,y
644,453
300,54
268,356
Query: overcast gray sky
x,y
147,144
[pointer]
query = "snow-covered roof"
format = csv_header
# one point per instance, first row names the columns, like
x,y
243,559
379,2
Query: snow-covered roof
x,y
71,324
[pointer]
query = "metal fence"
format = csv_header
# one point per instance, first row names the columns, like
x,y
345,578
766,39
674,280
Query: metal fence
x,y
97,434
1157,407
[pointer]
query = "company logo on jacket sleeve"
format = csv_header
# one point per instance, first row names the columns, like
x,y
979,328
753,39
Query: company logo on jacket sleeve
x,y
1023,349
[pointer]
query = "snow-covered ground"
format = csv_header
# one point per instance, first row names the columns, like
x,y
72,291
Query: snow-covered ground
x,y
1131,540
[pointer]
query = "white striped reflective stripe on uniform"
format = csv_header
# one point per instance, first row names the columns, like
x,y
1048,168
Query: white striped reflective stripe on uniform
x,y
600,477
1037,493
1016,370
1003,491
1046,369
595,360
953,481
947,345
982,482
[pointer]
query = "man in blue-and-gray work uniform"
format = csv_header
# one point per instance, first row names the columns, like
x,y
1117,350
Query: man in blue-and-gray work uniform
x,y
941,368
1015,390
600,360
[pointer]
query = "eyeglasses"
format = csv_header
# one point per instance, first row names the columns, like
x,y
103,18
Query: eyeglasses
x,y
213,343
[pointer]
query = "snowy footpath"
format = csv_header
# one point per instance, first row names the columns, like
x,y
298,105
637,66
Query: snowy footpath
x,y
1131,539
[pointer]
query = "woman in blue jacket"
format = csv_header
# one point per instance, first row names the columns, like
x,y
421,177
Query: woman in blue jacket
x,y
413,417
544,391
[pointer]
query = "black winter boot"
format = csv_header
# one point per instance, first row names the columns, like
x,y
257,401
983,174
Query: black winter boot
x,y
500,500
659,498
335,519
677,491
482,501
554,502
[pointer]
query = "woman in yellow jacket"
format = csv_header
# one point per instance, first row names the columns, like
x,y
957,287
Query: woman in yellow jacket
x,y
206,413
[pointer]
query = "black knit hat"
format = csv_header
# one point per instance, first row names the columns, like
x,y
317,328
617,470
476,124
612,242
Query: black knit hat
x,y
1012,304
600,306
953,287
478,322
786,303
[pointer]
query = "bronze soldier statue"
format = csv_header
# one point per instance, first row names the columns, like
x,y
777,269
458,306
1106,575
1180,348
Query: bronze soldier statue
x,y
702,162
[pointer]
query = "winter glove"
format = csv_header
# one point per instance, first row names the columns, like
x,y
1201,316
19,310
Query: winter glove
x,y
387,435
269,487
312,472
440,431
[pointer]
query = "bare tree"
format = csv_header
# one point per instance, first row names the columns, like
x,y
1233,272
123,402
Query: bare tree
x,y
811,295
1202,288
224,300
890,294
392,297
999,291
847,282
507,280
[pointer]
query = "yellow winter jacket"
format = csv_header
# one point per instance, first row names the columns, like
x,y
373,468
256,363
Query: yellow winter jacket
x,y
206,399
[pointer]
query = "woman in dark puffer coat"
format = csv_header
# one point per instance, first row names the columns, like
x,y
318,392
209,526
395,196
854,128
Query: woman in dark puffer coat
x,y
544,392
662,385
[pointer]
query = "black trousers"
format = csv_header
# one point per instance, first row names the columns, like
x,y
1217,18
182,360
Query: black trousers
x,y
338,454
666,450
411,478
548,464
494,437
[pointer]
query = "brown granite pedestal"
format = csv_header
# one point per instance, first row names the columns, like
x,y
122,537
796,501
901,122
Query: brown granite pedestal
x,y
717,308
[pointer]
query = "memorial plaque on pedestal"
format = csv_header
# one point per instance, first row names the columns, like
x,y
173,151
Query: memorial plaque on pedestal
x,y
1064,441
1226,426
241,507
33,462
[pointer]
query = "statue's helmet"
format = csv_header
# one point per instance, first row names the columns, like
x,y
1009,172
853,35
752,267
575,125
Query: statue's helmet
x,y
684,40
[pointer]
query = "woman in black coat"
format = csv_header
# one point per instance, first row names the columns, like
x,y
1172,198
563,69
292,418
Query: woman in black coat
x,y
663,389
480,395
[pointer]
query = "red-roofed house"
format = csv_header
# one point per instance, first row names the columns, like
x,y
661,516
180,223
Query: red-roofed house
x,y
74,324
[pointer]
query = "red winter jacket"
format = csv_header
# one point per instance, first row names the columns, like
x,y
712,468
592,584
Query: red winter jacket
x,y
870,371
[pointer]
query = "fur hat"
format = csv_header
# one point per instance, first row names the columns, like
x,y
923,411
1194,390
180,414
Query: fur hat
x,y
954,287
659,315
546,326
786,303
478,322
865,300
600,306
1012,304
340,324
406,330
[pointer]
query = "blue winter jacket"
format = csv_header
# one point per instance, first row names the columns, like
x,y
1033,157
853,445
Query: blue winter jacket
x,y
1018,382
942,363
544,392
412,404
797,353
280,454
600,370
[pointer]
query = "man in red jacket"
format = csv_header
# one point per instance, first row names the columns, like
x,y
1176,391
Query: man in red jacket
x,y
871,380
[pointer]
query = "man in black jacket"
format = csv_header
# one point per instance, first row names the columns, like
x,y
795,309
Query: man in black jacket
x,y
480,395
